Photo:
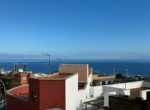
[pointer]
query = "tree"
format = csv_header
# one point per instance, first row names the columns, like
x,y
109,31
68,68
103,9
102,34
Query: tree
x,y
7,81
119,75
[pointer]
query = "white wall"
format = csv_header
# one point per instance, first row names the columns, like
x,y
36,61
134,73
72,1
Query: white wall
x,y
128,85
143,94
106,98
146,84
85,92
107,94
137,84
110,89
96,91
82,94
90,78
119,85
127,92
72,92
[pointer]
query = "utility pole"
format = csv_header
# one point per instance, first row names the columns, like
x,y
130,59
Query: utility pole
x,y
114,72
126,73
126,77
59,61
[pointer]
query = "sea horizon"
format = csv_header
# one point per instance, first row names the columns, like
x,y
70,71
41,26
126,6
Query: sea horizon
x,y
134,67
92,60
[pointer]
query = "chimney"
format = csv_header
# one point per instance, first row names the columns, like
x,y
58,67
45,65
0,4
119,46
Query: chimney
x,y
15,67
24,67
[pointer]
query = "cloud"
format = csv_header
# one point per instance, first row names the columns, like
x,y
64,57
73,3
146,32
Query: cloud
x,y
94,55
113,55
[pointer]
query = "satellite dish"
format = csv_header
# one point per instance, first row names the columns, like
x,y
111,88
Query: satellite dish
x,y
120,92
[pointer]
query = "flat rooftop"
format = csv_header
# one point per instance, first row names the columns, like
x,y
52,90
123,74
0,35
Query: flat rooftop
x,y
55,76
21,92
102,77
59,75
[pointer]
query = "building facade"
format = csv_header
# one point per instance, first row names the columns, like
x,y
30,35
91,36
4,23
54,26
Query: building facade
x,y
63,90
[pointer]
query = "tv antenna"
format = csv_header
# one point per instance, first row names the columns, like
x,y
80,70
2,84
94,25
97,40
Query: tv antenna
x,y
48,55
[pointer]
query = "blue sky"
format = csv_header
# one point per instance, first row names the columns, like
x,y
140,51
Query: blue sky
x,y
75,29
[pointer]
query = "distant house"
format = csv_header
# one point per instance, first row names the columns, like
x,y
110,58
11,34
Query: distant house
x,y
103,79
21,78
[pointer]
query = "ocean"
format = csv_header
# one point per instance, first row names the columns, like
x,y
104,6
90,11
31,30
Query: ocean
x,y
99,66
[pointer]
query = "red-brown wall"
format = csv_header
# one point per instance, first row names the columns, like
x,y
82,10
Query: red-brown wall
x,y
16,104
52,94
34,86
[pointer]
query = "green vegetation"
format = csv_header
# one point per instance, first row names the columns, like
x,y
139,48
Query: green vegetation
x,y
121,79
119,75
7,81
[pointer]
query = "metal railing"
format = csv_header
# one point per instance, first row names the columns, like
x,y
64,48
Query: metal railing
x,y
4,101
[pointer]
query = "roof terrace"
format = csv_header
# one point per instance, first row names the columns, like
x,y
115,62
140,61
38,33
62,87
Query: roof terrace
x,y
56,76
21,92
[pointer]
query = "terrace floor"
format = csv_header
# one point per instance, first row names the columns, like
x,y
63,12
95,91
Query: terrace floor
x,y
21,92
94,103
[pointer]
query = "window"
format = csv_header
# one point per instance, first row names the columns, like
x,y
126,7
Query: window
x,y
103,82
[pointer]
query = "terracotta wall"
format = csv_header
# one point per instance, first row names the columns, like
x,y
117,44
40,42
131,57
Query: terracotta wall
x,y
16,104
50,92
34,86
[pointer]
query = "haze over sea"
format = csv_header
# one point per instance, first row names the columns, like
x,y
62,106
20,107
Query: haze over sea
x,y
76,29
135,67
